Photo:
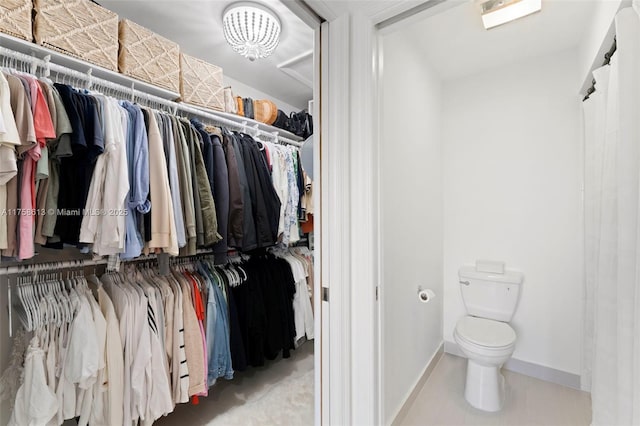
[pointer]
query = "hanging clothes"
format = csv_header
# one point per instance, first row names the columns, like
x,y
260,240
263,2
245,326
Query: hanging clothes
x,y
108,189
76,171
118,179
140,343
138,203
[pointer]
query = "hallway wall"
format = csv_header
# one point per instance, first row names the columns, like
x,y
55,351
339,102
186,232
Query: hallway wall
x,y
411,217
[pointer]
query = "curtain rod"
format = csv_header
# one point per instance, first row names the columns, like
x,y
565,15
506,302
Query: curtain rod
x,y
148,99
607,60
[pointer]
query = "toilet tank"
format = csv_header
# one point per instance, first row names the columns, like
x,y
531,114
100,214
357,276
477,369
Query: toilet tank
x,y
490,295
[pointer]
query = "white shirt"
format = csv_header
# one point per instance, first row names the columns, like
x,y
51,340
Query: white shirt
x,y
9,134
93,404
279,179
35,403
160,402
104,226
114,368
302,310
2,128
82,361
121,304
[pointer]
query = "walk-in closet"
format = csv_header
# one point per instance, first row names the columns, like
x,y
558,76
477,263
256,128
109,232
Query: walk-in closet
x,y
157,204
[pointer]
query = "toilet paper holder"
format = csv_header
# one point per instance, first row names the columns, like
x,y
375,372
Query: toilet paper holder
x,y
425,295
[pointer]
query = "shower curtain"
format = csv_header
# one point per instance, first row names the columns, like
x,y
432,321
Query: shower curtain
x,y
611,364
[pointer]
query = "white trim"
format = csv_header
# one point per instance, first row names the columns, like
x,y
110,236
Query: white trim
x,y
530,369
305,12
417,387
349,241
321,360
321,8
362,177
381,290
398,8
336,201
416,14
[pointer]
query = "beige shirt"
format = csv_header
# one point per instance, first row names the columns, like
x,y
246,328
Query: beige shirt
x,y
114,368
163,225
9,138
192,341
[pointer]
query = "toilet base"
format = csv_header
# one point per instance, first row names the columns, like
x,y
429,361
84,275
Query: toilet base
x,y
484,389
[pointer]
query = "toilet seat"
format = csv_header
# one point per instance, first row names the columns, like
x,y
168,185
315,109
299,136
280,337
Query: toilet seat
x,y
485,333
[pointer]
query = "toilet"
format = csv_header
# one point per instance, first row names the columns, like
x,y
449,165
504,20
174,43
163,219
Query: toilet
x,y
484,335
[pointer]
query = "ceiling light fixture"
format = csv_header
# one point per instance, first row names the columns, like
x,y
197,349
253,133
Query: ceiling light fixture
x,y
251,29
498,12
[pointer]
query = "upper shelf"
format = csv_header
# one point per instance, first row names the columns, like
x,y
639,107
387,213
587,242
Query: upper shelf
x,y
76,64
252,123
40,52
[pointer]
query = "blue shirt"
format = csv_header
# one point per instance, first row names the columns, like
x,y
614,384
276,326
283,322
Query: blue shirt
x,y
138,168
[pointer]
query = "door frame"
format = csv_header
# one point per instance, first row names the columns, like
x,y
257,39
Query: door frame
x,y
347,352
349,222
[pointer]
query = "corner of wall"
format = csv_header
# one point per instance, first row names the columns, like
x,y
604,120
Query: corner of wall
x,y
412,395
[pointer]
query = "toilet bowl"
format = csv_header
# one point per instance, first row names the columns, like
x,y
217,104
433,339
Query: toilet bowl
x,y
487,344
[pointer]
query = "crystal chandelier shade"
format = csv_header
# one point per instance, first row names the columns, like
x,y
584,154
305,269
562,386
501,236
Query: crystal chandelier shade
x,y
251,30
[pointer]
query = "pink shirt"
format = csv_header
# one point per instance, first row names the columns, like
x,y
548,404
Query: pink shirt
x,y
44,130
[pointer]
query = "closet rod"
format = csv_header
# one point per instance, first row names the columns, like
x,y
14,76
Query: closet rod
x,y
50,266
81,263
47,66
607,60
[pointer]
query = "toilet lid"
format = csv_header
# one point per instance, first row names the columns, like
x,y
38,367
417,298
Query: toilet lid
x,y
486,332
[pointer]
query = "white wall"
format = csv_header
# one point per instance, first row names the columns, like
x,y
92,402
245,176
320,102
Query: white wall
x,y
241,89
512,192
411,218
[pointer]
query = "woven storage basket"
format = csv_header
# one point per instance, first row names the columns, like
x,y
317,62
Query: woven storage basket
x,y
201,83
15,18
149,57
265,111
78,28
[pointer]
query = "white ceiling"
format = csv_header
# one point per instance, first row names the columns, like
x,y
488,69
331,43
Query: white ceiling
x,y
456,44
197,27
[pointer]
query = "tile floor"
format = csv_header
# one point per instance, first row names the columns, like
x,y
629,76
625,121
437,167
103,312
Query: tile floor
x,y
280,393
529,401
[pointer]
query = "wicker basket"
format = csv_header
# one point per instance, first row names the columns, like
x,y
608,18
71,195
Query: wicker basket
x,y
78,28
15,18
201,83
149,57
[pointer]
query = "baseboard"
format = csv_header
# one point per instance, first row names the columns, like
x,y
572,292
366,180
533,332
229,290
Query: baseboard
x,y
528,369
411,397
